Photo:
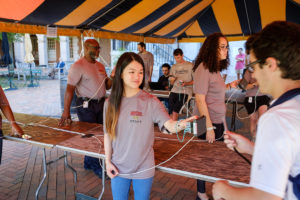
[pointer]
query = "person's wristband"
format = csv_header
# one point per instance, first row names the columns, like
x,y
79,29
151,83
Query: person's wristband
x,y
179,127
12,122
210,128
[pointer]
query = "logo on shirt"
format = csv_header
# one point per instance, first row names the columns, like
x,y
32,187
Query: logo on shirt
x,y
182,71
135,117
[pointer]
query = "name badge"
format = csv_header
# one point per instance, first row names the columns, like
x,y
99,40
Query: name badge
x,y
250,100
85,104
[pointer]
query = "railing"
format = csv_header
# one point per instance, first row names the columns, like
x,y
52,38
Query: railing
x,y
163,53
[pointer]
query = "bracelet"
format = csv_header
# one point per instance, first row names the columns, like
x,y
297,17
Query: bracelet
x,y
210,128
179,127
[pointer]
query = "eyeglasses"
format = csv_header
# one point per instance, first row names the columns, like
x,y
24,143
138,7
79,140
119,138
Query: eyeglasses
x,y
224,47
250,65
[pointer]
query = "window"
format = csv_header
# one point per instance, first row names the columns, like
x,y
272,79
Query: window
x,y
51,43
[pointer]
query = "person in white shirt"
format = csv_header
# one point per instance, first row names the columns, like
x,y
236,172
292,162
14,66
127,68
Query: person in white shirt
x,y
276,154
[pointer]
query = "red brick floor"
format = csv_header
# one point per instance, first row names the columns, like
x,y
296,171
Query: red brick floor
x,y
21,171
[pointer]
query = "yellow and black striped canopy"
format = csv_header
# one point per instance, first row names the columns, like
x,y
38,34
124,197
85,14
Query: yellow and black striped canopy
x,y
149,20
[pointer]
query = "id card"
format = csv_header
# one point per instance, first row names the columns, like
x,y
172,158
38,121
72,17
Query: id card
x,y
250,100
85,104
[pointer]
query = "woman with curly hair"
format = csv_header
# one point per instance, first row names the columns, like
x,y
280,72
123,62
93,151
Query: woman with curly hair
x,y
209,89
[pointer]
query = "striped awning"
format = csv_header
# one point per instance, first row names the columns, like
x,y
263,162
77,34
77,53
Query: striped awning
x,y
149,20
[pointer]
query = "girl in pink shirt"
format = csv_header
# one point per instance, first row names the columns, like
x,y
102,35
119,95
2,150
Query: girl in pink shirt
x,y
240,63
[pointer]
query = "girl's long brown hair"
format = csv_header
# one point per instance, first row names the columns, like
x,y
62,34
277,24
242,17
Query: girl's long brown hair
x,y
114,101
209,54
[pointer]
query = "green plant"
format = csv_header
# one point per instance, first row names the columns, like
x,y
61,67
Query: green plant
x,y
13,37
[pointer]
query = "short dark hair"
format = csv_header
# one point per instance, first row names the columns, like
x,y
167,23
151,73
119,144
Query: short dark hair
x,y
166,65
209,53
248,43
142,44
178,52
240,49
280,40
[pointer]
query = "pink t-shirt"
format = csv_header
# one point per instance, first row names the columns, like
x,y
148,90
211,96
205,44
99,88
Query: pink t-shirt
x,y
88,77
132,150
213,87
240,64
148,62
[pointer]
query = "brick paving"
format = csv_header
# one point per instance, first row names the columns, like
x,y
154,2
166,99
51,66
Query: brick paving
x,y
21,171
21,168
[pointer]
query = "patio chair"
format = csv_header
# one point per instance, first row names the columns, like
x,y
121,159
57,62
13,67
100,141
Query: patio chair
x,y
20,71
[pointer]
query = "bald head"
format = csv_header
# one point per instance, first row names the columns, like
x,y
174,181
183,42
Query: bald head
x,y
91,50
91,42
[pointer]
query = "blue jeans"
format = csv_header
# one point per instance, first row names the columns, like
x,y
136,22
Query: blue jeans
x,y
120,188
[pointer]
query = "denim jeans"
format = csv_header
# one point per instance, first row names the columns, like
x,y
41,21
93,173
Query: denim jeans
x,y
141,187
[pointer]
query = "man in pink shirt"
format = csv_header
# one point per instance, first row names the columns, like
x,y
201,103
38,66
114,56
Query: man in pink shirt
x,y
87,77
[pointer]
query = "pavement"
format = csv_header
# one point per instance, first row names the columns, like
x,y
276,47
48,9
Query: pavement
x,y
42,100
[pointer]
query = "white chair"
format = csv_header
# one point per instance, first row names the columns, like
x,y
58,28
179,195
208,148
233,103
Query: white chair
x,y
20,71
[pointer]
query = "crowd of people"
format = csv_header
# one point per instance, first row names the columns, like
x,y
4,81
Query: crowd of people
x,y
129,113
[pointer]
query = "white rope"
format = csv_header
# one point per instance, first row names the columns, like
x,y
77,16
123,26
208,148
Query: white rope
x,y
93,95
57,129
162,162
100,144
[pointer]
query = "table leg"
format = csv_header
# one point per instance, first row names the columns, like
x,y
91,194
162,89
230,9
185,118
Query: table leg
x,y
103,178
82,196
70,167
45,174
